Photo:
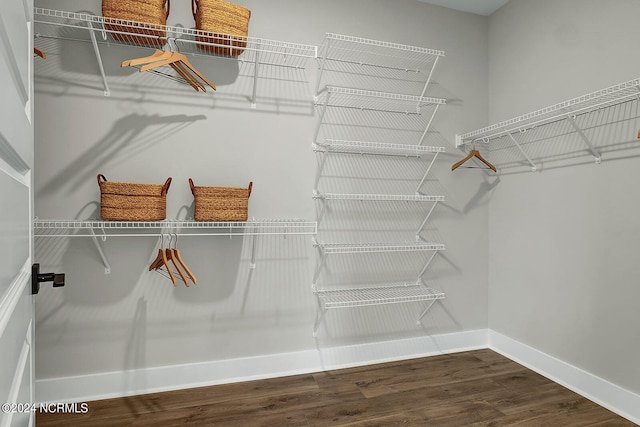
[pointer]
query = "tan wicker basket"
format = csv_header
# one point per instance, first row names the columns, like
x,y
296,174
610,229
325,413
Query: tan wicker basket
x,y
124,201
225,24
221,203
150,17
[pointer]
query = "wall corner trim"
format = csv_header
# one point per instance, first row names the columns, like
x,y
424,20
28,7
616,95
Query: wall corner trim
x,y
606,394
151,380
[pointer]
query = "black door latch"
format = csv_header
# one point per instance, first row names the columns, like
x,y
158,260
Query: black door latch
x,y
37,278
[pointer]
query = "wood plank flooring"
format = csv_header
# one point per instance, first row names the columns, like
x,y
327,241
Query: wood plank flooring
x,y
477,388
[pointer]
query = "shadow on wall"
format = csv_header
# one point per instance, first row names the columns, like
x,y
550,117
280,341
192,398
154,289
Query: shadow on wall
x,y
127,136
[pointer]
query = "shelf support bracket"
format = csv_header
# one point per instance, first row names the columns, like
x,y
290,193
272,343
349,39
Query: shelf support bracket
x,y
319,264
424,89
255,78
424,177
105,261
253,252
322,64
319,168
427,308
320,312
594,152
425,221
323,207
533,166
426,130
424,269
94,42
321,118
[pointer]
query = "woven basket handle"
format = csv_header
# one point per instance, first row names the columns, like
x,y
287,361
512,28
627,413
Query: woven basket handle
x,y
193,187
101,179
250,187
194,7
168,8
165,187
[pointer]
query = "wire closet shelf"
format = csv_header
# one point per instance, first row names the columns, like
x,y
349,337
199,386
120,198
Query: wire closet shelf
x,y
391,62
371,147
571,108
365,296
61,24
348,248
91,228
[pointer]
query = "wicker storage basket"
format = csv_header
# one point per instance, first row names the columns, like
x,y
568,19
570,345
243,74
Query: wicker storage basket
x,y
124,201
221,203
150,17
225,24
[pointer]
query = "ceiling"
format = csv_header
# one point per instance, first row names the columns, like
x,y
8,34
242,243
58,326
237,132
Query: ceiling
x,y
480,7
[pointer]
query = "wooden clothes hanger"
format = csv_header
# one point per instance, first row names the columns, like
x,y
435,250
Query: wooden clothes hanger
x,y
40,53
474,153
162,261
175,60
176,257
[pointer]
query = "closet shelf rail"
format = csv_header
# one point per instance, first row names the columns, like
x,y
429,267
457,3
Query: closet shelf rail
x,y
370,147
379,197
390,62
89,228
64,25
348,248
374,295
358,297
569,111
369,100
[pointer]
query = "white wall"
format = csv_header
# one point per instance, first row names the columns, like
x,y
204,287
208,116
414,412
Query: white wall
x,y
563,267
149,129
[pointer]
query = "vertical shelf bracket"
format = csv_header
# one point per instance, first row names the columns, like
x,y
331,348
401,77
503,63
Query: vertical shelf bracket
x,y
426,130
424,269
322,64
94,42
320,312
255,77
424,177
105,261
533,166
425,220
427,308
319,264
594,152
319,168
253,252
321,118
426,84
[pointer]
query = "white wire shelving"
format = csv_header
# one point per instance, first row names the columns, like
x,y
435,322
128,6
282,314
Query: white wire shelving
x,y
374,148
419,198
360,248
370,99
386,61
569,111
253,227
374,295
101,230
56,24
379,197
387,102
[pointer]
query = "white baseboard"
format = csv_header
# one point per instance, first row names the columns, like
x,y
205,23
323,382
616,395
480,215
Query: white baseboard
x,y
140,381
600,391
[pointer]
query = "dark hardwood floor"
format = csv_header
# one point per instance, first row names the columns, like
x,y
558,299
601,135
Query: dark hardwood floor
x,y
477,388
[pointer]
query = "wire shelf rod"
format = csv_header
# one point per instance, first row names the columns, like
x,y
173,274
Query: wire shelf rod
x,y
604,98
347,248
379,197
379,295
367,147
71,228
